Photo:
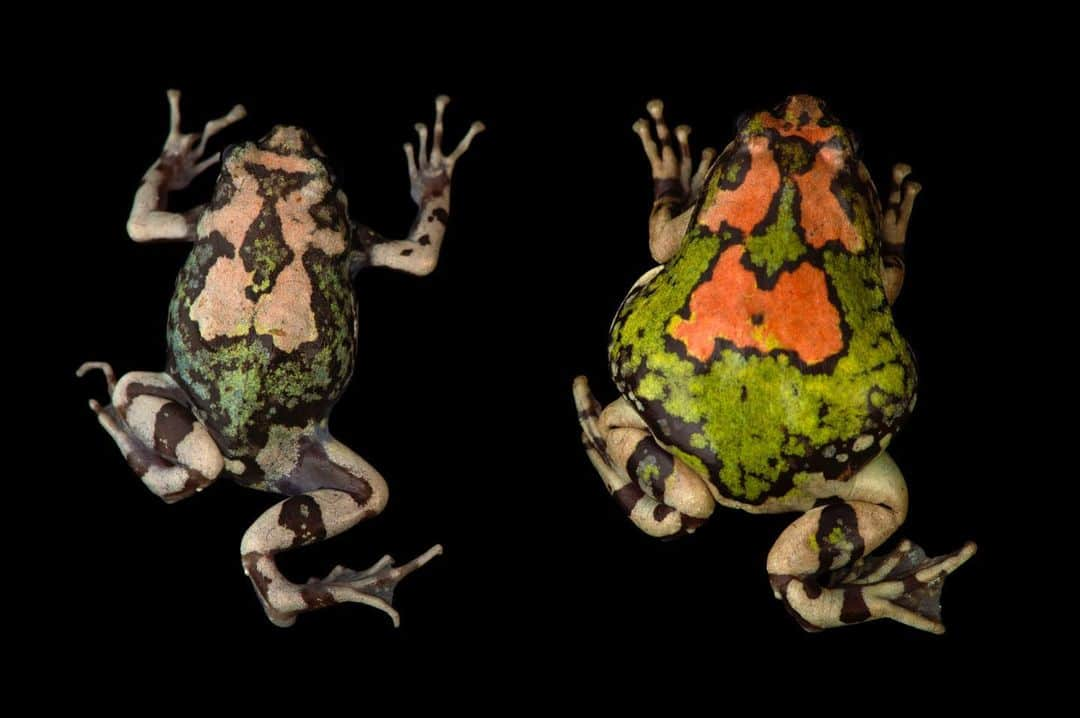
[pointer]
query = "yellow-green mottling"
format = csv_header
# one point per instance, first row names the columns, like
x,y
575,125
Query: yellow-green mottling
x,y
756,421
779,243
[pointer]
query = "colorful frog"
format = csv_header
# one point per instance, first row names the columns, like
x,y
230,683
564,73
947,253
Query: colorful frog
x,y
760,368
262,338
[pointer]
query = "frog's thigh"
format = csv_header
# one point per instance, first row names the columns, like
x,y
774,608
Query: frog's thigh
x,y
660,494
163,443
334,490
904,585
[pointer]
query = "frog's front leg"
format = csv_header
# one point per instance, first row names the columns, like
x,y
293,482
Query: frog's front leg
x,y
674,189
334,490
894,228
430,178
161,440
806,564
178,165
660,494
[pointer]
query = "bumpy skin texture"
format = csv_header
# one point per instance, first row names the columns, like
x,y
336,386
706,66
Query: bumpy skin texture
x,y
760,368
262,326
765,350
262,339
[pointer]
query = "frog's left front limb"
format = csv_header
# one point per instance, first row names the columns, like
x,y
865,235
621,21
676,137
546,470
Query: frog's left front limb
x,y
430,176
334,490
809,564
675,184
180,162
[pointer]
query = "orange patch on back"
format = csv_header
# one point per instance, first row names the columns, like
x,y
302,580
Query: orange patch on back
x,y
796,315
746,205
821,216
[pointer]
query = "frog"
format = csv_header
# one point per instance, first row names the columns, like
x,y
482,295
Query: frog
x,y
759,367
262,338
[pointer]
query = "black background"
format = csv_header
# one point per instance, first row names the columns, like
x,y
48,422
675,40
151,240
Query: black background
x,y
461,397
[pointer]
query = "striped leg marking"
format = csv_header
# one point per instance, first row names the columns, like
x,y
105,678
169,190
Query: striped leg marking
x,y
806,564
661,495
358,493
161,440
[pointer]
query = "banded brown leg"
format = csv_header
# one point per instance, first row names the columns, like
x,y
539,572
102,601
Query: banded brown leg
x,y
161,440
661,495
335,490
818,569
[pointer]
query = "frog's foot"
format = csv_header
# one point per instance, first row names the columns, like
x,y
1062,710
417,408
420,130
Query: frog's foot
x,y
673,175
181,157
352,491
429,174
159,437
894,229
675,184
809,571
664,498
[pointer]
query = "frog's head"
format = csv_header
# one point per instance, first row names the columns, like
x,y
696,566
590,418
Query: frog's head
x,y
292,141
801,116
284,149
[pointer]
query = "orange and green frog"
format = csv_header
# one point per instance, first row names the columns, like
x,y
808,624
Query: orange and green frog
x,y
759,366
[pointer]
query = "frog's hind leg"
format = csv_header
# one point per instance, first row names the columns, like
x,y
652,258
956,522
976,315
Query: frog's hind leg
x,y
661,495
809,564
163,443
334,489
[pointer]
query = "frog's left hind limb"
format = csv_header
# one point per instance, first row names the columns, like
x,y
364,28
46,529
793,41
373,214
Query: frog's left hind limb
x,y
818,569
334,490
665,498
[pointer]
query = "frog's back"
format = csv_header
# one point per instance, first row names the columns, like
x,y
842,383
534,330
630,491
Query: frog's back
x,y
764,352
262,322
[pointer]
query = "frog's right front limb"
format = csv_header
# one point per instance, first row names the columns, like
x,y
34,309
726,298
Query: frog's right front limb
x,y
660,494
163,443
180,162
675,184
429,175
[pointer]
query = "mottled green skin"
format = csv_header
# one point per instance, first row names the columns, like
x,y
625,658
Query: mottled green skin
x,y
755,424
242,386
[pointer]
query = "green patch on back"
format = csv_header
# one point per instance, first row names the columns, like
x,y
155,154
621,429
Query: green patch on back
x,y
758,418
780,242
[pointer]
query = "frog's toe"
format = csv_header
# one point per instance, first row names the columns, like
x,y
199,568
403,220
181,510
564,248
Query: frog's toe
x,y
373,586
903,585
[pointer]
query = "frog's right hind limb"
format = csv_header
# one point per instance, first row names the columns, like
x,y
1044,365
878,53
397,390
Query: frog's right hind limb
x,y
334,489
819,568
665,498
